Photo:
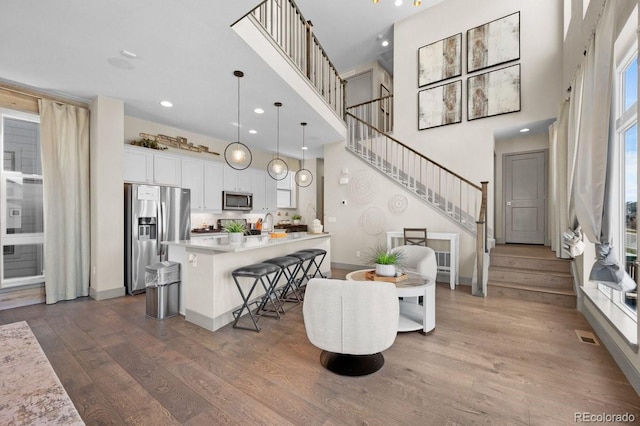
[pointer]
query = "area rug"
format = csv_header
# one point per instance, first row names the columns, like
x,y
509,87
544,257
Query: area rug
x,y
30,391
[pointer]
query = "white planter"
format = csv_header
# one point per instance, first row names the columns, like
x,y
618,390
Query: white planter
x,y
296,221
385,270
235,238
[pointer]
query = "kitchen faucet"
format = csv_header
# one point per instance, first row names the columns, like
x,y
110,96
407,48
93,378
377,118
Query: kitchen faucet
x,y
268,226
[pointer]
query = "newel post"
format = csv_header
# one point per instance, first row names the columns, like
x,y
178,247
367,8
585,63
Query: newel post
x,y
479,287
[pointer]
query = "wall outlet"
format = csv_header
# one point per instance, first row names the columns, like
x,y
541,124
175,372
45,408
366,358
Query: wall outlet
x,y
358,253
193,259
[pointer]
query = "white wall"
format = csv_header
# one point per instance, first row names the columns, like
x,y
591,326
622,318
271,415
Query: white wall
x,y
467,147
378,76
134,126
350,236
107,202
534,142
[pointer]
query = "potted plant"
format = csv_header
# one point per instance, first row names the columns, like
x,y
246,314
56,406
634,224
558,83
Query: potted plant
x,y
296,219
386,261
235,230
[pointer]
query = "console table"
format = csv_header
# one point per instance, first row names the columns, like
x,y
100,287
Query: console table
x,y
396,238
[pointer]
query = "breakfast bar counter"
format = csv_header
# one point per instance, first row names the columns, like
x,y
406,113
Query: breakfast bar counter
x,y
208,294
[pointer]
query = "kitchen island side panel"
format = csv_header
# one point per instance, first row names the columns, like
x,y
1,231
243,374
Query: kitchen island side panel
x,y
210,293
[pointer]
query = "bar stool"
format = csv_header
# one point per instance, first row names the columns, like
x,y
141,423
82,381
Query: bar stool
x,y
316,253
258,272
304,256
289,267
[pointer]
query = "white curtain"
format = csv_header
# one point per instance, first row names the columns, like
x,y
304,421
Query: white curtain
x,y
594,166
553,189
562,165
64,137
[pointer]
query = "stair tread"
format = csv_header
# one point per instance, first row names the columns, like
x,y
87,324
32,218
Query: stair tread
x,y
532,288
530,271
528,256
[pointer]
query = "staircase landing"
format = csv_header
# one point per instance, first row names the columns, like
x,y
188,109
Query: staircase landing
x,y
532,273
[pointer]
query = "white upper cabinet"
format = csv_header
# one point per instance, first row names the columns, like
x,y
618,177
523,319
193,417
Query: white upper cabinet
x,y
213,185
237,180
271,194
193,178
137,165
167,169
264,191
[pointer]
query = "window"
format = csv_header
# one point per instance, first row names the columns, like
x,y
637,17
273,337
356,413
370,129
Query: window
x,y
626,133
21,217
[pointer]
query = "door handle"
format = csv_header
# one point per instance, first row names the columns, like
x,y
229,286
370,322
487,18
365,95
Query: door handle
x,y
508,203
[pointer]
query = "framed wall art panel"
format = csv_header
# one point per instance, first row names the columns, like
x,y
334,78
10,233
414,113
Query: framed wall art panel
x,y
493,93
440,105
494,43
440,61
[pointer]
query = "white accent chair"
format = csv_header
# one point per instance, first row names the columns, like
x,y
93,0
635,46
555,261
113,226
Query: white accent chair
x,y
418,260
352,322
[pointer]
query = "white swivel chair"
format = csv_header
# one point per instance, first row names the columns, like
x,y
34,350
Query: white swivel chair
x,y
352,322
418,260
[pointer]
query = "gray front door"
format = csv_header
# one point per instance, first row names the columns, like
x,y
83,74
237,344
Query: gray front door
x,y
525,197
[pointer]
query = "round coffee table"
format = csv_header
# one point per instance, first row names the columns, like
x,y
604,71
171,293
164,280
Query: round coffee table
x,y
413,316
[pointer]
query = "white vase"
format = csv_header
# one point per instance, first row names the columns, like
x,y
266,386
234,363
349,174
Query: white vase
x,y
296,221
385,270
235,238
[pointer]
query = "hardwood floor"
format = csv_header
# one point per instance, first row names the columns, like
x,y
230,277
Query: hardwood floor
x,y
489,361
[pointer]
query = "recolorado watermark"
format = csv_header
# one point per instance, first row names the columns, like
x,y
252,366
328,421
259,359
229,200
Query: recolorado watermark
x,y
585,417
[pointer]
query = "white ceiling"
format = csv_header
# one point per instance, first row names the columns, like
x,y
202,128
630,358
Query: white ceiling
x,y
187,53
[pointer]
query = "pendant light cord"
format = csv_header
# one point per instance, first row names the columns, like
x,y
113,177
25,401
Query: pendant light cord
x,y
303,147
238,122
278,135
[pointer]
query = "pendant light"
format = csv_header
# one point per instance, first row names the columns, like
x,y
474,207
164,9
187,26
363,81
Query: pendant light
x,y
277,167
236,154
303,176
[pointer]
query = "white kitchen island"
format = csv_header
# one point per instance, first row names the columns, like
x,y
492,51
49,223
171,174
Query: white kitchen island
x,y
208,294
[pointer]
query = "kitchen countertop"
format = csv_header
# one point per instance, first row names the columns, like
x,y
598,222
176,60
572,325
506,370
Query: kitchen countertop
x,y
251,242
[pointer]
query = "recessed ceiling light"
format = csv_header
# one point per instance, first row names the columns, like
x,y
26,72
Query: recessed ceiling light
x,y
253,132
385,43
128,54
166,104
305,147
525,130
398,3
258,111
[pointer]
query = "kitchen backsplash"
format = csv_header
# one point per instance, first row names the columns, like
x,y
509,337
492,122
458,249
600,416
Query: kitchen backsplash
x,y
200,220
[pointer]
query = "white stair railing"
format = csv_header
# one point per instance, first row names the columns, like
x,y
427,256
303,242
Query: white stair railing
x,y
451,194
283,22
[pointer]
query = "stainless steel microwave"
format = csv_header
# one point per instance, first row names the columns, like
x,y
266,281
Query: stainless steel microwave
x,y
237,200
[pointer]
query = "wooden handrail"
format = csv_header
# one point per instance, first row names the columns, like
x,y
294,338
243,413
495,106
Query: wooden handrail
x,y
468,182
370,102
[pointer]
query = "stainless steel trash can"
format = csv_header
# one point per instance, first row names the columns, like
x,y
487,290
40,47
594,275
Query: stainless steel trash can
x,y
162,281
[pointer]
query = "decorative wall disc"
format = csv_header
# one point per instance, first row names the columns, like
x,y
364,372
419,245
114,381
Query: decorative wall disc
x,y
372,221
363,187
398,203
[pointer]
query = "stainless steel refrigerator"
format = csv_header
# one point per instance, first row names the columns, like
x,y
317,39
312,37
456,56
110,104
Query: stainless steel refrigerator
x,y
152,214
